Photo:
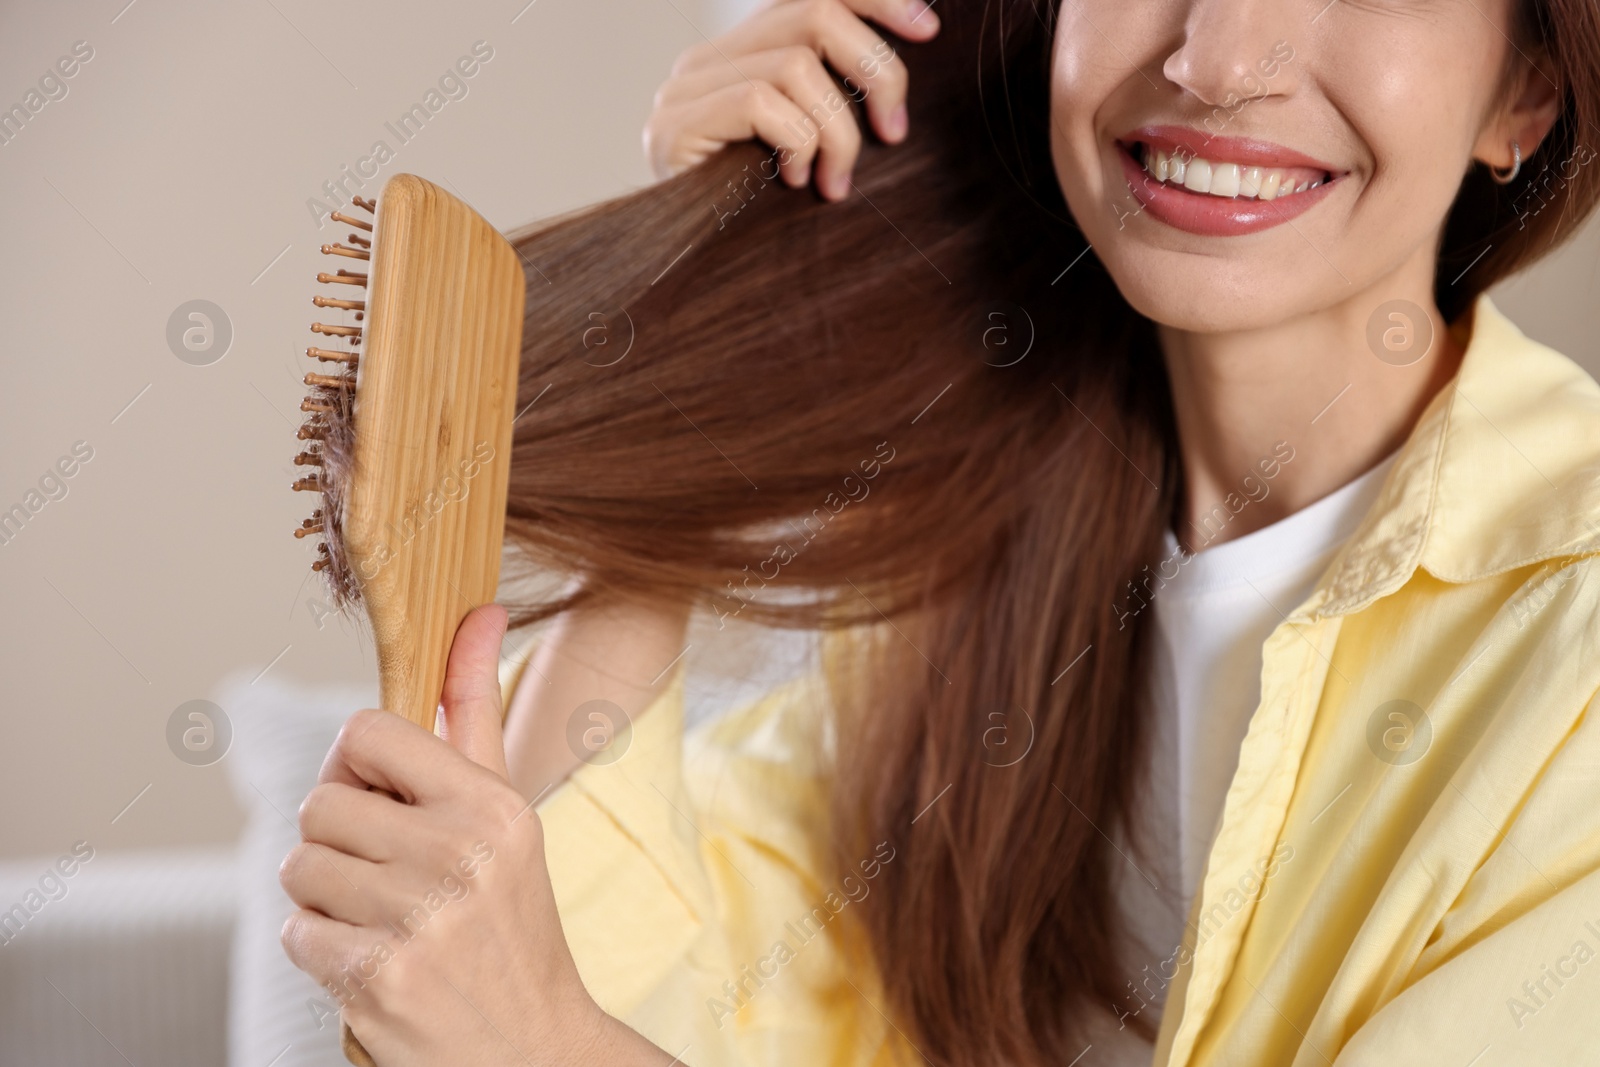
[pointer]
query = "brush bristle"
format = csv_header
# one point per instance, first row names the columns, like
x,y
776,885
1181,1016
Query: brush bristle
x,y
329,428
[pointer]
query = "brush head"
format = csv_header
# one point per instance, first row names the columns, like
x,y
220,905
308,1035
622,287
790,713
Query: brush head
x,y
408,428
329,428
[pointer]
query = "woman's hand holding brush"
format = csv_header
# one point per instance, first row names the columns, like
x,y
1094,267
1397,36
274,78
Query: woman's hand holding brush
x,y
425,904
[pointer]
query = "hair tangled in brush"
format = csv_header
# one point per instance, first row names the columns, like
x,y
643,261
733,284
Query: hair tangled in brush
x,y
331,430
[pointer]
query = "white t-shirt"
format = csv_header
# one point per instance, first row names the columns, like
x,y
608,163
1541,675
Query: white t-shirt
x,y
1210,622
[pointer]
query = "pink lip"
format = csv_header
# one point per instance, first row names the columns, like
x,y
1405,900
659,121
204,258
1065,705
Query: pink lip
x,y
1233,149
1216,216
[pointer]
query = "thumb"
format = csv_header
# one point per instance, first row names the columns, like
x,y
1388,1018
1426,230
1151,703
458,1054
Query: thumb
x,y
471,697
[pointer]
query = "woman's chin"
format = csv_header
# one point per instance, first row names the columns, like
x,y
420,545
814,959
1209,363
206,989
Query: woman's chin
x,y
1204,295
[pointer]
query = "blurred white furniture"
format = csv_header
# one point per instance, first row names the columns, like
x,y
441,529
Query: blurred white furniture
x,y
129,966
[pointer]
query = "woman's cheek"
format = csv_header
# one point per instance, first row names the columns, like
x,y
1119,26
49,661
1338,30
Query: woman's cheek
x,y
1089,75
1415,120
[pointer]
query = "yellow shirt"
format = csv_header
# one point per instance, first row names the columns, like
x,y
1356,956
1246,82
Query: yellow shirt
x,y
1407,869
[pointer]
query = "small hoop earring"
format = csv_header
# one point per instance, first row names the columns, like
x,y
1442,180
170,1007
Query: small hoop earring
x,y
1516,166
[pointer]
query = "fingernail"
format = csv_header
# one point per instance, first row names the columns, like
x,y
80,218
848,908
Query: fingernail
x,y
920,14
898,121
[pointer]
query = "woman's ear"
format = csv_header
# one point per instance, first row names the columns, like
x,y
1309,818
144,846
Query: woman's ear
x,y
1528,109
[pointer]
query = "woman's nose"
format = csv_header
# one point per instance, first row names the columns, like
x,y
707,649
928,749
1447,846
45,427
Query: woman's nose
x,y
1234,49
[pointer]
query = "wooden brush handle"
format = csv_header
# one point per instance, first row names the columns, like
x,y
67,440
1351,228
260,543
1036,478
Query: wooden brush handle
x,y
424,514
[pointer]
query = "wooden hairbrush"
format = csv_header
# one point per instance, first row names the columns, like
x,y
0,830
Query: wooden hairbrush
x,y
410,434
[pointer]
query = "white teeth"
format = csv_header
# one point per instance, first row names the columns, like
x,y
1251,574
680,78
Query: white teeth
x,y
1230,180
1225,179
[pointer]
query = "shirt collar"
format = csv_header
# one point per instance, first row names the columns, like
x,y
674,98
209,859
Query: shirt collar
x,y
1501,471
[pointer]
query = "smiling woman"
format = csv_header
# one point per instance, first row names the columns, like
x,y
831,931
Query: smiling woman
x,y
1328,802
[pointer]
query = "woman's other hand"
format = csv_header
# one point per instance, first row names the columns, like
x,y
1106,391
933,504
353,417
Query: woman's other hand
x,y
425,904
766,78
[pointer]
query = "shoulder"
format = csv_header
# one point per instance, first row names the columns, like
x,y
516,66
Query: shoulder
x,y
1500,474
1516,478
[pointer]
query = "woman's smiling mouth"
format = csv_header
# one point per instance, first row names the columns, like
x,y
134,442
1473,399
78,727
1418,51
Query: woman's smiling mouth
x,y
1219,186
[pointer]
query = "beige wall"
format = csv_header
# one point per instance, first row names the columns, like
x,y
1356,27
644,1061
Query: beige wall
x,y
177,167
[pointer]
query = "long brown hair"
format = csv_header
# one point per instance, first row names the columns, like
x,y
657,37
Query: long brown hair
x,y
928,405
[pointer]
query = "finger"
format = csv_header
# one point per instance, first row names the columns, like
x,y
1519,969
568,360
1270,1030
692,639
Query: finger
x,y
471,697
679,137
356,821
826,117
739,112
911,19
324,948
832,30
342,887
383,751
